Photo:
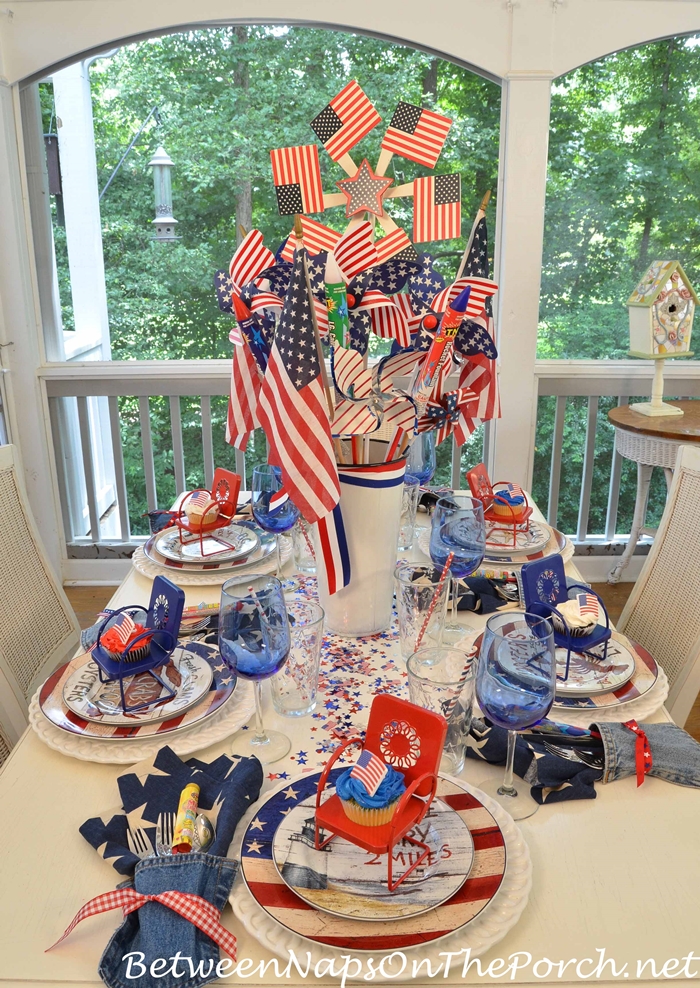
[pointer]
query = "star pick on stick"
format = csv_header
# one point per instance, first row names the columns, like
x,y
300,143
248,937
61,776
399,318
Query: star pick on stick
x,y
364,191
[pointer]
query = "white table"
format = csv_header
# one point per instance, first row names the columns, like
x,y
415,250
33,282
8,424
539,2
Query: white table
x,y
621,872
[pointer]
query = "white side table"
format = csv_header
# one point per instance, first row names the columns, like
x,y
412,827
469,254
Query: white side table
x,y
650,442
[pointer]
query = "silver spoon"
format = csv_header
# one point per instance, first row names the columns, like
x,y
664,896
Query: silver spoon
x,y
203,832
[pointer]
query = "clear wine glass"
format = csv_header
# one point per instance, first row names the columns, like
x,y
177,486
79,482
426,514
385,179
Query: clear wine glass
x,y
515,685
420,461
254,641
267,481
457,528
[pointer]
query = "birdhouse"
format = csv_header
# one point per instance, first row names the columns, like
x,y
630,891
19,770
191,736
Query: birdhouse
x,y
661,312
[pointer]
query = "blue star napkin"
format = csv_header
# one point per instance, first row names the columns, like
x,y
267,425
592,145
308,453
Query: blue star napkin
x,y
227,788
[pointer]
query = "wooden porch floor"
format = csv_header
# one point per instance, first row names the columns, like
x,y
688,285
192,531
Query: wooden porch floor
x,y
88,601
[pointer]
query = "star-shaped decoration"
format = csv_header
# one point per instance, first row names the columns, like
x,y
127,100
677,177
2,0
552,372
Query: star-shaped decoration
x,y
257,824
254,847
364,191
290,793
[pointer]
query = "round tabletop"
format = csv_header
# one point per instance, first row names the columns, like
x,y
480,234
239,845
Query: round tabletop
x,y
681,428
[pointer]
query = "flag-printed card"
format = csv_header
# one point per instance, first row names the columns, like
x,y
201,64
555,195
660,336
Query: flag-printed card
x,y
123,627
296,174
370,771
437,208
416,134
345,121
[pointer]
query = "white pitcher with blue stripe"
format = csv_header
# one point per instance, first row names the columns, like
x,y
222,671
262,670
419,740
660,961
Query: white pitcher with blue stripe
x,y
356,549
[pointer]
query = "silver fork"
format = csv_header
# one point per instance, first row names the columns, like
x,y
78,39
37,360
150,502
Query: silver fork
x,y
593,761
139,843
164,833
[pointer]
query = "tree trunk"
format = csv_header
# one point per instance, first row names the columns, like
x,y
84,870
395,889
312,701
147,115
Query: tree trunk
x,y
244,185
430,82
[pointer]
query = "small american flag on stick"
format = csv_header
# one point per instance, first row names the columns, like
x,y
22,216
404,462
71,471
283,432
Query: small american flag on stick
x,y
370,771
437,208
296,174
345,121
416,134
587,604
123,627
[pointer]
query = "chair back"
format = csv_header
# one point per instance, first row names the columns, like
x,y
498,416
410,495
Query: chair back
x,y
224,489
663,610
544,581
480,484
407,737
38,629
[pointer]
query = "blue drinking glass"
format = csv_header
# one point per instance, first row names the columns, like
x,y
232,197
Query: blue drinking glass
x,y
254,641
267,480
420,460
515,685
458,528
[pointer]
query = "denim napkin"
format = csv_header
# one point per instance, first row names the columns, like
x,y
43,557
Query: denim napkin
x,y
552,779
226,789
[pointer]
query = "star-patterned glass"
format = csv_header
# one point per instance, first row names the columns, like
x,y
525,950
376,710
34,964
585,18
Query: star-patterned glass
x,y
364,191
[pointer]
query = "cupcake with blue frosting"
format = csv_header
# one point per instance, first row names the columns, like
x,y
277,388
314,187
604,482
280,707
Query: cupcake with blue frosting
x,y
509,502
370,790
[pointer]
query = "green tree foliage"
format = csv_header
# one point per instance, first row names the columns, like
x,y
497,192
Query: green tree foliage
x,y
623,189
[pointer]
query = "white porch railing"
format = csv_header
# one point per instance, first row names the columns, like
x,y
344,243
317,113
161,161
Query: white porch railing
x,y
205,380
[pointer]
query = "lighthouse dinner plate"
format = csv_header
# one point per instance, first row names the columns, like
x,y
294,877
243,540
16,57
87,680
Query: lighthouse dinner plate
x,y
345,880
300,917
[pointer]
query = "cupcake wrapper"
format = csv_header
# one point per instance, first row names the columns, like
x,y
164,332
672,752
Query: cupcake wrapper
x,y
135,655
574,632
368,817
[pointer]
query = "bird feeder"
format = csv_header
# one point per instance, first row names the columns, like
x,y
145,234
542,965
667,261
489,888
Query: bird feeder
x,y
164,222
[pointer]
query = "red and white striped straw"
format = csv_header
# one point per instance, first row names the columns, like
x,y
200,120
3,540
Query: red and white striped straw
x,y
309,545
433,602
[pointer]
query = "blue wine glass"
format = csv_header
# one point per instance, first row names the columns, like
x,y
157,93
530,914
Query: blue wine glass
x,y
515,685
254,641
420,460
267,481
458,531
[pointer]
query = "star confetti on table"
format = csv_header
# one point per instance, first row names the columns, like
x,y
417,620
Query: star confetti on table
x,y
364,191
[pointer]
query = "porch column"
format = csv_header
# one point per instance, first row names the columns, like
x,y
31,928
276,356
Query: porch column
x,y
522,184
20,332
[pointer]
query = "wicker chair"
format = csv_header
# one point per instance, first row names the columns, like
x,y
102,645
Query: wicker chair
x,y
38,629
663,610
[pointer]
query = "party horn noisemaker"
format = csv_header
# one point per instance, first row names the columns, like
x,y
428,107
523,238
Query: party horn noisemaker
x,y
439,349
250,331
336,301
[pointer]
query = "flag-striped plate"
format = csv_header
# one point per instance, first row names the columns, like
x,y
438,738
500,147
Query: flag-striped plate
x,y
278,900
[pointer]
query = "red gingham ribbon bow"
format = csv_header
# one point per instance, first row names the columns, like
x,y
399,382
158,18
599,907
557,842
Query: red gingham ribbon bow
x,y
642,751
194,908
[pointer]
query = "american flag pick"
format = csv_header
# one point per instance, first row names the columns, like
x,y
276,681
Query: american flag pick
x,y
370,771
296,174
587,604
292,407
437,208
345,121
123,626
416,134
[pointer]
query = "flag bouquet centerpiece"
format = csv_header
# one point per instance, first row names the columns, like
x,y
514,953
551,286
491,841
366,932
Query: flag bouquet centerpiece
x,y
340,436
